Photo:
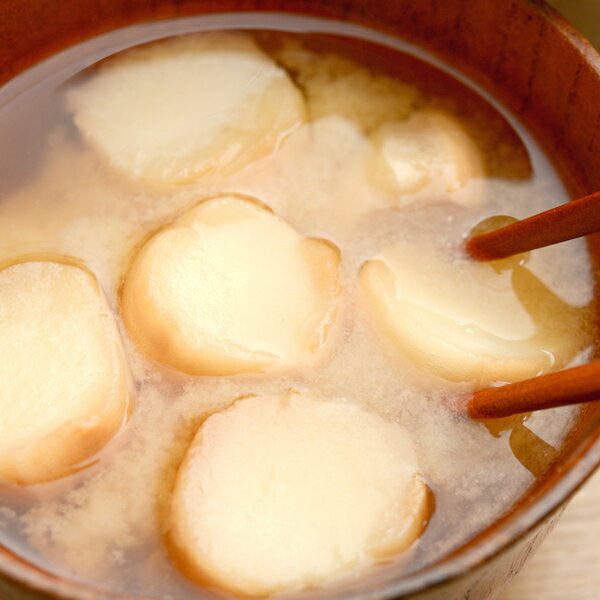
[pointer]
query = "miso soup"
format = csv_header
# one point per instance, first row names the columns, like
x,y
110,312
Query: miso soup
x,y
269,222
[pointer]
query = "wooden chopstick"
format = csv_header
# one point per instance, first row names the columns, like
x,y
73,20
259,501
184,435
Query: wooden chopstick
x,y
565,222
571,386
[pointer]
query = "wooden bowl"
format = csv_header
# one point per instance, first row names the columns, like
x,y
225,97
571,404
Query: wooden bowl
x,y
529,58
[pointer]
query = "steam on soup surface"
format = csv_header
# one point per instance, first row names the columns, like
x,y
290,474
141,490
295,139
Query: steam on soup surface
x,y
270,228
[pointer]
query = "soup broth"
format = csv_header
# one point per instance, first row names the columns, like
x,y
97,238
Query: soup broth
x,y
105,524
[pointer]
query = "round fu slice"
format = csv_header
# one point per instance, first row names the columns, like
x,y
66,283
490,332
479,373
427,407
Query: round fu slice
x,y
63,382
464,321
428,157
279,493
230,288
171,111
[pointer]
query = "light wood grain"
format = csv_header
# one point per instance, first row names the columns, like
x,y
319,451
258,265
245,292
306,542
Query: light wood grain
x,y
567,565
585,16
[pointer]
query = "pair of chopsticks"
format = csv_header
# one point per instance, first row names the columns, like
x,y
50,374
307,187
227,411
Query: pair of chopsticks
x,y
570,386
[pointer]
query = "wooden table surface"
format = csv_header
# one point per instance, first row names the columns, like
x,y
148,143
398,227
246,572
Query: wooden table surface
x,y
567,564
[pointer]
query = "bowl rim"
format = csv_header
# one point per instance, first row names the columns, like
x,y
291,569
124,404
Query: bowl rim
x,y
508,528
